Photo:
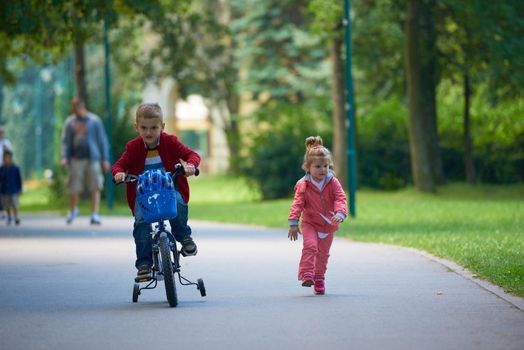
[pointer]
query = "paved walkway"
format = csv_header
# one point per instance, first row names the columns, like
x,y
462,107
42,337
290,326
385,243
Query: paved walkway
x,y
70,287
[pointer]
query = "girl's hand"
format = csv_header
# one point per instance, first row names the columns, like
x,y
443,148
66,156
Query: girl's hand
x,y
336,219
293,233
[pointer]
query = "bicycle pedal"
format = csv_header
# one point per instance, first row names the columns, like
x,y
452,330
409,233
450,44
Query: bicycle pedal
x,y
143,279
184,253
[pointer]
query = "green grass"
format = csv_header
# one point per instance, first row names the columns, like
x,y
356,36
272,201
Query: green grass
x,y
479,227
485,234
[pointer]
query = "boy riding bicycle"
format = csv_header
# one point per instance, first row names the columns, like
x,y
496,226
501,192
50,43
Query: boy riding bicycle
x,y
155,149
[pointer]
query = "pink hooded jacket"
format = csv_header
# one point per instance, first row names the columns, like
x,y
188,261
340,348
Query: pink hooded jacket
x,y
317,207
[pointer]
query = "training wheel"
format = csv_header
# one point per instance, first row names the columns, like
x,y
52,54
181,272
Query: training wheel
x,y
201,287
136,292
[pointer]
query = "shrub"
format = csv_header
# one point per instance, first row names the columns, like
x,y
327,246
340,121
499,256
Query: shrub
x,y
383,147
274,160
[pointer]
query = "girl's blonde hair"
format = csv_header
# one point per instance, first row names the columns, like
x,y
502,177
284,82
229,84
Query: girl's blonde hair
x,y
315,150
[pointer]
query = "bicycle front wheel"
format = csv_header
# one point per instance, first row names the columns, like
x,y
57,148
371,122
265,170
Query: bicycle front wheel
x,y
167,271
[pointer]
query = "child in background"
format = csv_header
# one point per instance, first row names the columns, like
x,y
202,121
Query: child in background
x,y
155,149
10,187
321,202
5,144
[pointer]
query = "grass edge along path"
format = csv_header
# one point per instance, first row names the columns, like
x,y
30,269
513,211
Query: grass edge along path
x,y
481,228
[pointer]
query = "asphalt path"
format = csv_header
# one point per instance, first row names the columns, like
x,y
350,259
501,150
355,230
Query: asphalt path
x,y
70,287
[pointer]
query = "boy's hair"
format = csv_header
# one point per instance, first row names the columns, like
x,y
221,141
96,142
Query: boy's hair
x,y
8,153
315,150
149,111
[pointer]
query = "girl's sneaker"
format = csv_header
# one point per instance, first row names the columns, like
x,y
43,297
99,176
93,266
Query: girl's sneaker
x,y
320,288
307,280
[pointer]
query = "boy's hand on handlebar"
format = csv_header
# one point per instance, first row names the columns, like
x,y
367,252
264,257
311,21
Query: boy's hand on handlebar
x,y
119,177
189,169
293,233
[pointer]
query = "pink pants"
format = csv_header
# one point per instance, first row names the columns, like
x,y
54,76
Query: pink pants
x,y
315,252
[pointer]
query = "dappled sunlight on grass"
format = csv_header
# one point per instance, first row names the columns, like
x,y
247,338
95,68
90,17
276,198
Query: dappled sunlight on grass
x,y
35,198
221,189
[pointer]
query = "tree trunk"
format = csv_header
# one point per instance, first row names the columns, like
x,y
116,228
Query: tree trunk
x,y
339,111
80,70
231,124
1,101
232,129
468,143
420,55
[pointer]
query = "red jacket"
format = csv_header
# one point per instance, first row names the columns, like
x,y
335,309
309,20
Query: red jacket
x,y
170,149
317,207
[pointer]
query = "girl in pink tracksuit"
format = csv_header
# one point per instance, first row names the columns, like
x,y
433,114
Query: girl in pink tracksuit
x,y
321,201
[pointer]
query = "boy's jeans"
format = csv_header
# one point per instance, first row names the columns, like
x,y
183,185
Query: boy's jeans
x,y
142,232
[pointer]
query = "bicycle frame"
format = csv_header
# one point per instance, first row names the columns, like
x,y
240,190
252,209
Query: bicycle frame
x,y
159,231
166,257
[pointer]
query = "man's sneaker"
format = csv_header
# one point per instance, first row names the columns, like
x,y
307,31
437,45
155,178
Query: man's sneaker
x,y
143,274
17,221
95,219
9,220
71,216
307,279
188,246
320,288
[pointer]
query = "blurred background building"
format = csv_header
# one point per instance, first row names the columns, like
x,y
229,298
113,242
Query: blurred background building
x,y
194,123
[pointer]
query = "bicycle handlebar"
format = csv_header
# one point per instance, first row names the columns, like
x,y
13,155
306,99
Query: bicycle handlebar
x,y
179,170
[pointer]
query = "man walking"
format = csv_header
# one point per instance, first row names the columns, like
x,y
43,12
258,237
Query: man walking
x,y
85,151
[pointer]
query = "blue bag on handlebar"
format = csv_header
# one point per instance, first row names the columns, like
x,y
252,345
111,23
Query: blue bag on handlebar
x,y
156,196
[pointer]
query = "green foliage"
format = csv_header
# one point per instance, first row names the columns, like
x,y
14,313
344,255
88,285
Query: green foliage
x,y
278,51
19,110
377,47
497,135
58,194
483,39
274,163
327,16
44,30
383,152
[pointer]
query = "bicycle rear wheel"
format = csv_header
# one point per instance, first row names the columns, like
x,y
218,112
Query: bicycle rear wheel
x,y
167,270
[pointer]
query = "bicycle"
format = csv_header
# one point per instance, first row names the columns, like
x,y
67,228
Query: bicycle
x,y
159,205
